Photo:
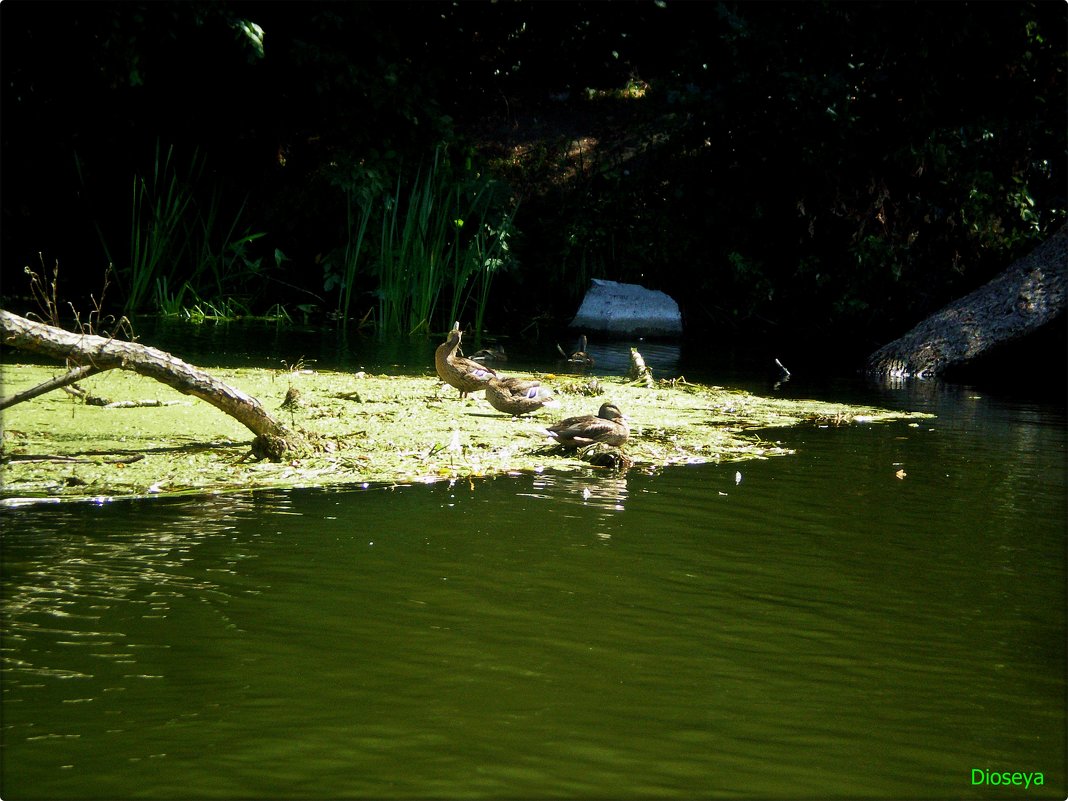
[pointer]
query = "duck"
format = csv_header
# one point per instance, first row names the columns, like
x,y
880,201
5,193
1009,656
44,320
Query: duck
x,y
456,371
608,426
579,358
516,396
494,354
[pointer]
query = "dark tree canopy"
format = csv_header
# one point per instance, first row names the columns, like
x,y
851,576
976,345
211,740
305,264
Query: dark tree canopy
x,y
777,167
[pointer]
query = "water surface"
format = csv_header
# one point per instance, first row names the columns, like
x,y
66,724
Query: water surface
x,y
810,626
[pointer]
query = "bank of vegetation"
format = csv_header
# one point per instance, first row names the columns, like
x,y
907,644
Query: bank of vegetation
x,y
835,171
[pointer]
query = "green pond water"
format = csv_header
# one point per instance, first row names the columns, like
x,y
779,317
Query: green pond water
x,y
808,626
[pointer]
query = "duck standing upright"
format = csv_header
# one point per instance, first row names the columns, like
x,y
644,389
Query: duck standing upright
x,y
516,396
456,371
608,426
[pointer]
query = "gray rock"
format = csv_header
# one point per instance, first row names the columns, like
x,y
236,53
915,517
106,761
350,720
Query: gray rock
x,y
628,309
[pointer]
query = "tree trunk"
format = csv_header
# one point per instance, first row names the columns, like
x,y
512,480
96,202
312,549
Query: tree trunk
x,y
1028,294
273,439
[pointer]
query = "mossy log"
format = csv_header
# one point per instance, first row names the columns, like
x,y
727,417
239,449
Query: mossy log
x,y
1027,295
96,354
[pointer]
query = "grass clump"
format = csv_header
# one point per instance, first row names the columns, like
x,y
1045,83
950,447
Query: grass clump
x,y
431,246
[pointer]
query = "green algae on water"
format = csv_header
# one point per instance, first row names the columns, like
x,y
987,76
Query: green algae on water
x,y
376,429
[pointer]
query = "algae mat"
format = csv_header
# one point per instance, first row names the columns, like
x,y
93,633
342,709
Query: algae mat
x,y
376,429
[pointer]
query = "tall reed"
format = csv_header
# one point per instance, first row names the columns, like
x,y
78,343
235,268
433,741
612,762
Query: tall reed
x,y
358,210
413,250
486,254
221,261
158,207
438,233
179,248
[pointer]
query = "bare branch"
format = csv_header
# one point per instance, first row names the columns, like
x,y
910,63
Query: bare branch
x,y
77,374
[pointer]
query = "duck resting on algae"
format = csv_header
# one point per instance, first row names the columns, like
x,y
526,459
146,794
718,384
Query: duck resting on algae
x,y
514,396
518,396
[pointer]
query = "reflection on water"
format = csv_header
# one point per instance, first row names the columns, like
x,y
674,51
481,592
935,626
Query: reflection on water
x,y
607,492
613,357
820,628
59,588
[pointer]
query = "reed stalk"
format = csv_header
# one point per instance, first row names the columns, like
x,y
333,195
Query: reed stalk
x,y
157,210
389,268
493,256
222,262
485,254
177,247
356,228
438,235
414,248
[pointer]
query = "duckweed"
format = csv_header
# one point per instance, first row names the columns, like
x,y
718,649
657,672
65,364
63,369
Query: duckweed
x,y
367,428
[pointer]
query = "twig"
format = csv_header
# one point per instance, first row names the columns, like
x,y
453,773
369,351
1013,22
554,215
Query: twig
x,y
75,375
75,460
139,404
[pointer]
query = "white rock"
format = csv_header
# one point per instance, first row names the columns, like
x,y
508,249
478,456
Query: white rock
x,y
627,309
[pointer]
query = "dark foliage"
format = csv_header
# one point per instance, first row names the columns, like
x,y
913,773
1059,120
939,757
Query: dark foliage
x,y
781,168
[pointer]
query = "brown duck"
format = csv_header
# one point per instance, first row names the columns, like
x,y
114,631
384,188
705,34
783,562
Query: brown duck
x,y
608,426
517,396
456,371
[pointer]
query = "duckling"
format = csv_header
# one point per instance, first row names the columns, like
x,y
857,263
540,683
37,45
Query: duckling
x,y
516,396
608,426
456,371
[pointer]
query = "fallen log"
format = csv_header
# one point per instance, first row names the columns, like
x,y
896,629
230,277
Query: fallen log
x,y
273,439
1027,295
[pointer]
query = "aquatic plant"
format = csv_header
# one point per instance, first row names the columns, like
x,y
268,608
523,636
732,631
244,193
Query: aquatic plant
x,y
414,248
158,207
358,212
222,263
179,247
441,232
487,254
218,311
